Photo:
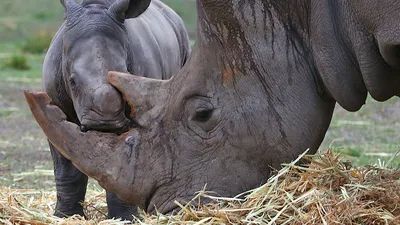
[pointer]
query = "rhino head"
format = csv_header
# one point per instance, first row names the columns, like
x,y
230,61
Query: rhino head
x,y
252,95
95,41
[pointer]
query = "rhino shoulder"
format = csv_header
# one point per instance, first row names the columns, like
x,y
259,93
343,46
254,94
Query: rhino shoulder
x,y
179,26
158,34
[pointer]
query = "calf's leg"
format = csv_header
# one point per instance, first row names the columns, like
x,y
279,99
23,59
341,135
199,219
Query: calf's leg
x,y
70,185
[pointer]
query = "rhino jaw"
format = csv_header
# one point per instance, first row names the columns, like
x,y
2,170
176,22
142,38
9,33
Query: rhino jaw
x,y
106,157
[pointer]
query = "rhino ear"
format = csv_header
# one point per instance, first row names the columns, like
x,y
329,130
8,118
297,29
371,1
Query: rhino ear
x,y
125,9
70,7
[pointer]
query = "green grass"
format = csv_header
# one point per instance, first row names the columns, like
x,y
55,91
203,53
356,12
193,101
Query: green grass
x,y
19,19
34,62
17,62
367,135
6,112
38,42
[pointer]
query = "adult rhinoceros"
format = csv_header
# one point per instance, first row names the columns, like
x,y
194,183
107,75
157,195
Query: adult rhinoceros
x,y
259,88
98,36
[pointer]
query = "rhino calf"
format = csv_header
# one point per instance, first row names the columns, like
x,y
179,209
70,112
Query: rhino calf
x,y
144,37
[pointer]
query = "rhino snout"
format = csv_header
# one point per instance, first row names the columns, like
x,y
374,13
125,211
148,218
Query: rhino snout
x,y
106,113
107,100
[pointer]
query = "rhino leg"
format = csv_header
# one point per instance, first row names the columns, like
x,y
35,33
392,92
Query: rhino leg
x,y
70,185
120,209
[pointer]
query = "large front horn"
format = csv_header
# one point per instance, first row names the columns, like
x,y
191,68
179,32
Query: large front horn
x,y
142,94
108,158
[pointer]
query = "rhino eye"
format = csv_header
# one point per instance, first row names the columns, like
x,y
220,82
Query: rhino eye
x,y
72,81
203,115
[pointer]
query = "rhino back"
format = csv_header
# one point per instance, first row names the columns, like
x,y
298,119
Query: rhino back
x,y
160,43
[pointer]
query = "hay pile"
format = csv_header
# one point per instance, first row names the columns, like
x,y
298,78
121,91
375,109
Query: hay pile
x,y
35,207
328,191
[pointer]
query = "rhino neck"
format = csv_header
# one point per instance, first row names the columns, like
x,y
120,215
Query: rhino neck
x,y
334,54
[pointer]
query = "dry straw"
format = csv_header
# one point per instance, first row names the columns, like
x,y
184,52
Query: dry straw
x,y
326,191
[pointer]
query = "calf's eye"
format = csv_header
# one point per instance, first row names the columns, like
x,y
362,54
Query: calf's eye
x,y
72,81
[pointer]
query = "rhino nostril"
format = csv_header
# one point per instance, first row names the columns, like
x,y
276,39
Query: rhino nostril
x,y
130,141
84,128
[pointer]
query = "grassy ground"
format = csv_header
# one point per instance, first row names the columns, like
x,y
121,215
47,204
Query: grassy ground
x,y
367,135
25,160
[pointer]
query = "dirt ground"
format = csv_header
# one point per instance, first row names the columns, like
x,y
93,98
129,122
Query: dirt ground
x,y
23,146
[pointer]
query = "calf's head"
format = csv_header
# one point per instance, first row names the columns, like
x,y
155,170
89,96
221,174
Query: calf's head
x,y
94,42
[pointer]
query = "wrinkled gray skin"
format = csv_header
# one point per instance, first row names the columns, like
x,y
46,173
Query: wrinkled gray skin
x,y
259,89
98,36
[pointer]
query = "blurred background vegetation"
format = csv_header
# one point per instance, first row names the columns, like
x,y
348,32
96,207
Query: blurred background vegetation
x,y
26,29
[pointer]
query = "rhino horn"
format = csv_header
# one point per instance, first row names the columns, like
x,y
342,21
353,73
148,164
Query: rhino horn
x,y
98,155
142,94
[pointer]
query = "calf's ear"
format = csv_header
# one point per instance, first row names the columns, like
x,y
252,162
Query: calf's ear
x,y
70,7
125,9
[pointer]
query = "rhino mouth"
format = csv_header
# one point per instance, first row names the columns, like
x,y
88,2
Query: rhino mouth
x,y
112,126
160,202
169,208
93,121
